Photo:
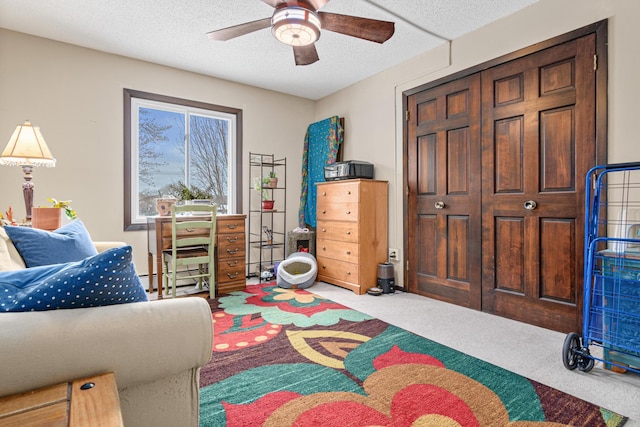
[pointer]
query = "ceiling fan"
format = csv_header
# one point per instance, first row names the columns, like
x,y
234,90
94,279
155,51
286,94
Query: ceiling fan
x,y
298,23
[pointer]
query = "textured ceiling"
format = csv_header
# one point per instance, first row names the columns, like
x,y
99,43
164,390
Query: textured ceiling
x,y
173,33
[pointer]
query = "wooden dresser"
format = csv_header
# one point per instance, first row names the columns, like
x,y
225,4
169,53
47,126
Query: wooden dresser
x,y
351,232
230,250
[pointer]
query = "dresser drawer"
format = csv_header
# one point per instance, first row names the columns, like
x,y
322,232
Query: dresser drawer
x,y
339,192
230,225
227,249
343,251
338,270
338,230
195,232
234,239
230,269
347,211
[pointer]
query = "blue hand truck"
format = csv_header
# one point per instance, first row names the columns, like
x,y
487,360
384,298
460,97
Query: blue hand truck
x,y
611,299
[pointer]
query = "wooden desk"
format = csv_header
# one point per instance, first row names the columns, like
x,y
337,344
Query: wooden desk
x,y
230,250
67,404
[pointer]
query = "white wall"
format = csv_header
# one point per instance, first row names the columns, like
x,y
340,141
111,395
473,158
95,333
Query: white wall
x,y
372,108
75,95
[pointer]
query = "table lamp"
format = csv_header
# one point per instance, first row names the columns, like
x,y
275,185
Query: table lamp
x,y
27,148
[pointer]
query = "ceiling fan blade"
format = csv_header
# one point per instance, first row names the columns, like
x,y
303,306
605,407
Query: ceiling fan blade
x,y
354,26
305,55
239,30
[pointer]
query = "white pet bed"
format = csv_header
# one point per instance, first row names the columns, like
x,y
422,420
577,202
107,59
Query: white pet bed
x,y
299,270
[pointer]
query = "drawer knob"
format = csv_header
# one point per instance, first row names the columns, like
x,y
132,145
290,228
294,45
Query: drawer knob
x,y
232,251
232,226
324,193
324,211
324,266
349,193
348,232
232,240
348,212
348,273
324,230
348,252
324,248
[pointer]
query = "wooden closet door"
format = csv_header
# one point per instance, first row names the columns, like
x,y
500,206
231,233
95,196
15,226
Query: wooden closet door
x,y
443,174
538,133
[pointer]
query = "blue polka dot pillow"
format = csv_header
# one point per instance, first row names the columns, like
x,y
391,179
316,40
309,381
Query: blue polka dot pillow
x,y
104,279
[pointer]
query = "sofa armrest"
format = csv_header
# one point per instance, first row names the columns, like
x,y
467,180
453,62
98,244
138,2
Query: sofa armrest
x,y
103,246
139,342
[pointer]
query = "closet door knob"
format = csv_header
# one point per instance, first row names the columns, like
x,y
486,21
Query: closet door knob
x,y
530,205
439,205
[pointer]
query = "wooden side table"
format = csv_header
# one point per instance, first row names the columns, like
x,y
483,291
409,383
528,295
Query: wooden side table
x,y
87,402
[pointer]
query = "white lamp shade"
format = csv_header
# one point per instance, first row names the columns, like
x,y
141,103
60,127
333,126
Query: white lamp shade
x,y
27,147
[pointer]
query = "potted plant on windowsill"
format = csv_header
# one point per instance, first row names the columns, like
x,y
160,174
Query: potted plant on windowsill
x,y
189,195
260,185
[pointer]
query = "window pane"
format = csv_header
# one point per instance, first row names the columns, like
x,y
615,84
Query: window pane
x,y
161,155
209,157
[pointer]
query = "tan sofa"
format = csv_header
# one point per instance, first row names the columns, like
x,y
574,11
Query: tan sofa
x,y
154,348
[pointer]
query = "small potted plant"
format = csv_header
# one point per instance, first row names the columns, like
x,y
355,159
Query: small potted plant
x,y
50,218
260,185
273,180
189,195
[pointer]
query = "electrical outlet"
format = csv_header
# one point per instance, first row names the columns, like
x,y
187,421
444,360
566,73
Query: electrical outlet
x,y
393,254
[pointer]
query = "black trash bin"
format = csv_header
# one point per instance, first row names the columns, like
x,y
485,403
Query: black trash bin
x,y
386,280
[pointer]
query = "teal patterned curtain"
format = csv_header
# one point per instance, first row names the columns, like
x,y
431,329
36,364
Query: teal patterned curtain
x,y
321,144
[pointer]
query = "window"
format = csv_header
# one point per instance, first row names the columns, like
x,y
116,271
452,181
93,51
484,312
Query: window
x,y
174,145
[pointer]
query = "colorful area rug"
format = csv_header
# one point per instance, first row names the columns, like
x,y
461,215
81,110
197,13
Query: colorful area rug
x,y
285,357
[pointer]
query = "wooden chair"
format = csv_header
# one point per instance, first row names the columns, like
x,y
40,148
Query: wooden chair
x,y
193,234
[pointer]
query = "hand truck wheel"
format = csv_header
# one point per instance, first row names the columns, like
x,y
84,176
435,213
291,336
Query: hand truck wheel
x,y
574,355
569,351
585,364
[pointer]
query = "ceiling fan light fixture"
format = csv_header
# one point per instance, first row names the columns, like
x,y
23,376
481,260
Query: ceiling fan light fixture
x,y
295,26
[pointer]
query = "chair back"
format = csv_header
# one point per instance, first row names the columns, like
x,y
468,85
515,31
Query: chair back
x,y
194,226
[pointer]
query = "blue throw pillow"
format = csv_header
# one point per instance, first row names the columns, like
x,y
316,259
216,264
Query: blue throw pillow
x,y
104,279
69,243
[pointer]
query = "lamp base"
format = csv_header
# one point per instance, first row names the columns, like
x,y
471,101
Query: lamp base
x,y
27,190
